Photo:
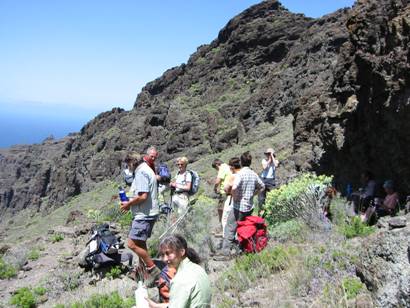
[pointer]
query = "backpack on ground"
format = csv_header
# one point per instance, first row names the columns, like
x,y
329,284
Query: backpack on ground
x,y
195,183
103,249
164,173
107,241
252,234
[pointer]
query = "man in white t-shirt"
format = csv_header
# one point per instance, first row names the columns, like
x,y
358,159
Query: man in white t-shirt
x,y
143,204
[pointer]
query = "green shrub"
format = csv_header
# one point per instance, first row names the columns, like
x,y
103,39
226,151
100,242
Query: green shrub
x,y
289,230
57,238
356,228
352,286
33,254
23,298
7,271
115,272
40,291
303,198
95,215
113,300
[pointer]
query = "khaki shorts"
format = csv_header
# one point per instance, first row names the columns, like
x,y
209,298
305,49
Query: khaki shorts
x,y
141,229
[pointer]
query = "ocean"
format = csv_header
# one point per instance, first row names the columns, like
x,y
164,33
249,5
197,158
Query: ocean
x,y
28,125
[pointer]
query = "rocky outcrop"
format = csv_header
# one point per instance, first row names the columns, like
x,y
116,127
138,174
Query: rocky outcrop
x,y
367,119
338,85
384,265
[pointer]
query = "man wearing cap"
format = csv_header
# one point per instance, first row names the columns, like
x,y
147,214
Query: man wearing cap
x,y
269,165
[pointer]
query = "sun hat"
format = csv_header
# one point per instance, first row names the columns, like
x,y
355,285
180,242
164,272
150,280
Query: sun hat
x,y
269,150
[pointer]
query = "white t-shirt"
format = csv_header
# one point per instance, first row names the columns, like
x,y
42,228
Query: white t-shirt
x,y
183,179
269,171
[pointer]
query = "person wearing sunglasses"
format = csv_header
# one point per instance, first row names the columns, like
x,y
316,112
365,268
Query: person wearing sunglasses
x,y
181,186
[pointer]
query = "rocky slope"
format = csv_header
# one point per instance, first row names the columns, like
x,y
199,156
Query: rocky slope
x,y
339,84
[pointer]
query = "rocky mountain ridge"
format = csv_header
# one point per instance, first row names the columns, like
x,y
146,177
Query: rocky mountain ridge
x,y
339,84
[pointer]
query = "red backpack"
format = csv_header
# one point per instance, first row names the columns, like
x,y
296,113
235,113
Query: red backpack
x,y
252,234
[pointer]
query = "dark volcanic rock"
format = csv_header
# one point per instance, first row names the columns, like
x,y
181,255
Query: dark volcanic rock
x,y
343,80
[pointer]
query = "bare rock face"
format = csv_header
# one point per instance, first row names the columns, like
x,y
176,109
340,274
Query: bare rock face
x,y
341,82
385,267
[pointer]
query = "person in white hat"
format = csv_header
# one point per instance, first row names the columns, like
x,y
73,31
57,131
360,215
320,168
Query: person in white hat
x,y
269,164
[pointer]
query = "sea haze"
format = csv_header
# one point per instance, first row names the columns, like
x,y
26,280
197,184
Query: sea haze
x,y
32,123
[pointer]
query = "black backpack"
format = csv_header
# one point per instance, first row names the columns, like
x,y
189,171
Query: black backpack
x,y
103,249
107,241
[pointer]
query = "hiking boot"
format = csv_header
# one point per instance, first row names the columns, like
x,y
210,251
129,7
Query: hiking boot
x,y
153,277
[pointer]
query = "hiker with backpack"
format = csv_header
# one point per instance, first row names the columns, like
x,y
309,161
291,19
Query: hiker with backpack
x,y
143,204
181,186
223,174
246,185
191,286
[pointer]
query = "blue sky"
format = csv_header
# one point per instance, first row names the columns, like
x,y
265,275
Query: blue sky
x,y
63,58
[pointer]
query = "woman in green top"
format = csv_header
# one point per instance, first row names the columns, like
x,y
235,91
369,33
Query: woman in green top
x,y
191,286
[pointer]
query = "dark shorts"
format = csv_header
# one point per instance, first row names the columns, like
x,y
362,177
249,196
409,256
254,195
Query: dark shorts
x,y
141,229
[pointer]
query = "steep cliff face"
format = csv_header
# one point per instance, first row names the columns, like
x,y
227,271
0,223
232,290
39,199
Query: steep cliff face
x,y
343,80
371,96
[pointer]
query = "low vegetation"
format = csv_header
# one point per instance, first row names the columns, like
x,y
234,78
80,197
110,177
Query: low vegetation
x,y
27,297
303,198
291,230
33,254
113,300
248,268
114,273
56,238
7,270
356,228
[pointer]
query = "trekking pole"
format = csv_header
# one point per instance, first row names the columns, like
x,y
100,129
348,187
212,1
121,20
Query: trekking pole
x,y
173,227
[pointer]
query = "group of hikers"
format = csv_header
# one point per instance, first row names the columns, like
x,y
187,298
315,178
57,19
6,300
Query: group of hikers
x,y
370,202
236,184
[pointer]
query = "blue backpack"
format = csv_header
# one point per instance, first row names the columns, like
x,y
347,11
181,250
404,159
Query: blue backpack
x,y
164,173
195,182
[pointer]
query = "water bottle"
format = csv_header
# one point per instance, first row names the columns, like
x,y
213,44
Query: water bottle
x,y
141,294
349,190
123,196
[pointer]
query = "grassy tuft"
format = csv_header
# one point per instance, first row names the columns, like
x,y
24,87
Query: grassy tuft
x,y
352,286
248,268
33,254
114,273
7,271
292,230
23,298
113,300
57,238
356,228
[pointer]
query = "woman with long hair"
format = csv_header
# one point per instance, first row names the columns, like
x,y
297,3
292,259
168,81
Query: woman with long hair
x,y
191,286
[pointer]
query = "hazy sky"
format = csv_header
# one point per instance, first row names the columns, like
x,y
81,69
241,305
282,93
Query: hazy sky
x,y
95,55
